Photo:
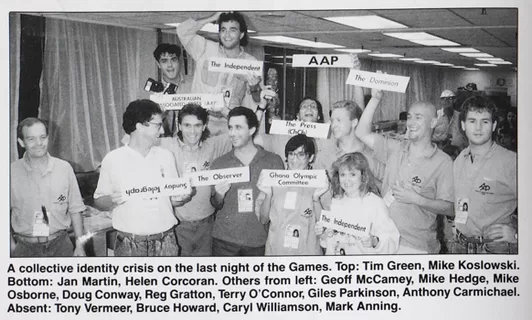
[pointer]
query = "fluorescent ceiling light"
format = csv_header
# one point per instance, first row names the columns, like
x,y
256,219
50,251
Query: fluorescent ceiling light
x,y
471,69
444,64
435,43
410,59
280,57
477,55
353,50
427,61
385,55
297,42
490,59
458,67
412,35
367,22
485,65
501,62
460,50
209,27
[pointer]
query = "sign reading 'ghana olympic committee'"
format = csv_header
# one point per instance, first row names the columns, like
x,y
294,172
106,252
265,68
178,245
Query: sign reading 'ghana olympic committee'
x,y
294,178
212,177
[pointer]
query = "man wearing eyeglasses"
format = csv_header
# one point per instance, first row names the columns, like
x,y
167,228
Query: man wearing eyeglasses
x,y
144,223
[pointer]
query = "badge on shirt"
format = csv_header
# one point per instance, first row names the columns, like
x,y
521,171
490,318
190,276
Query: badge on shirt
x,y
291,236
339,249
245,200
462,210
389,198
40,225
190,167
290,200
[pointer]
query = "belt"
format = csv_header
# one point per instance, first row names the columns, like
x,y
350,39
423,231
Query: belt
x,y
31,239
476,240
155,236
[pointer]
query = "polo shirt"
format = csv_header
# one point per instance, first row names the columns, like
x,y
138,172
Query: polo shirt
x,y
188,160
124,168
490,184
243,228
56,189
432,178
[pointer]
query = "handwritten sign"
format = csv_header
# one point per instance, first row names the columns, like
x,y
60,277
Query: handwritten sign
x,y
162,187
322,61
239,66
212,177
338,221
178,101
377,80
291,128
294,178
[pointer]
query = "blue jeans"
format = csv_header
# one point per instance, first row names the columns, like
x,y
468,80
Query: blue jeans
x,y
460,245
221,248
195,237
59,247
162,244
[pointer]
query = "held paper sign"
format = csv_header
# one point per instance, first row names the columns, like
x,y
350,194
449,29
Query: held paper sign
x,y
358,229
239,66
291,128
378,80
322,60
294,178
163,187
177,101
212,177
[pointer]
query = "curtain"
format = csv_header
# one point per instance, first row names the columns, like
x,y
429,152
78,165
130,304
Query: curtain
x,y
425,85
91,73
14,78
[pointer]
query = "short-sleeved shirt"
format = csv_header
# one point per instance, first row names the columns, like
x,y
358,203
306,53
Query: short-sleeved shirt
x,y
124,168
432,178
283,221
56,189
243,228
490,184
188,160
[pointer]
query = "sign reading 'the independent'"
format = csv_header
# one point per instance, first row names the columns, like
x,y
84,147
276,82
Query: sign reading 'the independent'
x,y
239,66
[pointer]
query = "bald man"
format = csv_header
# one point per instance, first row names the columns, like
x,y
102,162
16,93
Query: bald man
x,y
418,179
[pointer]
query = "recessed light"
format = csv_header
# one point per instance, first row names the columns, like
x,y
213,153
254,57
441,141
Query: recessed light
x,y
385,55
410,59
435,43
427,61
353,50
471,69
460,50
412,35
500,62
477,55
367,22
485,65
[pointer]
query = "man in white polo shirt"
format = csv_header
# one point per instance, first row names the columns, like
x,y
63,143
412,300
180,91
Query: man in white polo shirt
x,y
145,225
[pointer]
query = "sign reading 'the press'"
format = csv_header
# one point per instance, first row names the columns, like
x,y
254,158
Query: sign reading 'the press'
x,y
322,61
377,80
291,128
161,187
212,177
178,101
295,178
239,66
337,220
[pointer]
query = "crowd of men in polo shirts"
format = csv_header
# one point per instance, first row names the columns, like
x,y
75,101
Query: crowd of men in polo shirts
x,y
417,180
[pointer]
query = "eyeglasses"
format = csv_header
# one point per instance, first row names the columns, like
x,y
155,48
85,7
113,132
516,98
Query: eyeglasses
x,y
300,155
309,106
158,124
447,98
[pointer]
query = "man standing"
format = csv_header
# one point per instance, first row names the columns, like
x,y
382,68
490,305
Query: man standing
x,y
45,198
418,180
237,230
233,36
485,185
144,224
167,58
194,152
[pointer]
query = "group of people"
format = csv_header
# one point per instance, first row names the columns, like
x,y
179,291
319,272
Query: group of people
x,y
399,187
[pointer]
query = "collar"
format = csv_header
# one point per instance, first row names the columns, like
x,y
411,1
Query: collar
x,y
183,146
238,56
487,155
408,143
28,167
260,153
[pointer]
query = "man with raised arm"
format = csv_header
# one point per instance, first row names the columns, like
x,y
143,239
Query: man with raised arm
x,y
233,37
485,182
418,179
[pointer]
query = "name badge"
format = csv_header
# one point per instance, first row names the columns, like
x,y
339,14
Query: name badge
x,y
389,198
462,210
245,200
291,236
40,227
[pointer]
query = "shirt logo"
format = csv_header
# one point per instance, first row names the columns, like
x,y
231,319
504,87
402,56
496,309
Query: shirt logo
x,y
484,189
61,198
307,213
416,180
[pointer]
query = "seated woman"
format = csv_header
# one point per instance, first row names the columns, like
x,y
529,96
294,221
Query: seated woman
x,y
356,197
292,211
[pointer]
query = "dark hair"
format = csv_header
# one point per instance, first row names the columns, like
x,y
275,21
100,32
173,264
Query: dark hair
x,y
298,141
355,112
238,17
320,108
251,118
353,161
139,111
193,109
28,122
166,48
478,104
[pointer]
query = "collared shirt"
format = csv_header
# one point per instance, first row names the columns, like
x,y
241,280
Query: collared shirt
x,y
243,228
192,160
124,168
432,178
56,189
490,184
